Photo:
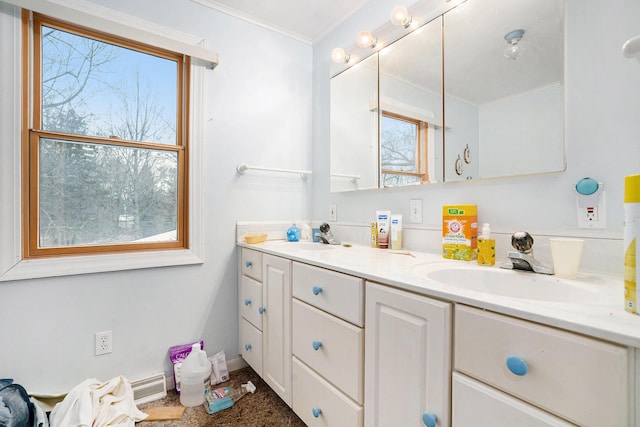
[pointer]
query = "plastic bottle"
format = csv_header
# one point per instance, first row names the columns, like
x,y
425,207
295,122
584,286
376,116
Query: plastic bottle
x,y
486,247
195,373
631,242
225,397
293,233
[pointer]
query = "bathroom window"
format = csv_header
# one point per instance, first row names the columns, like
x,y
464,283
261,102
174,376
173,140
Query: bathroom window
x,y
403,150
105,152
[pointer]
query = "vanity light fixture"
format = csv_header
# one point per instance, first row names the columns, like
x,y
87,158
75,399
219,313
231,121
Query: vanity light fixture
x,y
400,16
513,50
366,39
631,48
338,55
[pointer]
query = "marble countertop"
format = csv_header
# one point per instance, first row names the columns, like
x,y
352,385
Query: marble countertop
x,y
602,316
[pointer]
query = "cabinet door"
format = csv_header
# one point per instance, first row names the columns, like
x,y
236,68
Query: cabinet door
x,y
407,358
276,325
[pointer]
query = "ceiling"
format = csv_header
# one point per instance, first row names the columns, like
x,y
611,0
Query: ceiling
x,y
304,20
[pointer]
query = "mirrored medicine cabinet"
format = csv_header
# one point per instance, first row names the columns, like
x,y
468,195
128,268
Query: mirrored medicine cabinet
x,y
477,92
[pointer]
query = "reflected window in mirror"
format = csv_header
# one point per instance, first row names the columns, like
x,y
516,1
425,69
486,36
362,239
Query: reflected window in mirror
x,y
403,150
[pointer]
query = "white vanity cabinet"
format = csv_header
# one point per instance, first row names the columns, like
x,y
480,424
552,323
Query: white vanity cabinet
x,y
576,378
251,308
264,301
408,359
328,347
276,325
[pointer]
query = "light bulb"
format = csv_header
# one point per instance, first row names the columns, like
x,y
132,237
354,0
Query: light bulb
x,y
512,51
400,16
338,55
366,39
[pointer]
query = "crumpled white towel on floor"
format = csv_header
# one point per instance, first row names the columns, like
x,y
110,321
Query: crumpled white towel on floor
x,y
98,404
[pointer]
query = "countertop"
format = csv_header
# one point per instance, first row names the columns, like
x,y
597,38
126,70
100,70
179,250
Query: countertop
x,y
603,317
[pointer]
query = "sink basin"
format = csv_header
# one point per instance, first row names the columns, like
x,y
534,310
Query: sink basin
x,y
518,284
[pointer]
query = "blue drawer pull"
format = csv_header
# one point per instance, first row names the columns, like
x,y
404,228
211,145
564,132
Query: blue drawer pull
x,y
247,301
261,310
248,264
429,419
247,347
316,412
317,345
317,290
517,365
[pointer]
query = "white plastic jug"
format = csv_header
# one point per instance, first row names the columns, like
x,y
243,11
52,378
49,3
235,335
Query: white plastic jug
x,y
195,374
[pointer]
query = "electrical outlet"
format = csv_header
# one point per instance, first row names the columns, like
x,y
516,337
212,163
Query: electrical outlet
x,y
415,209
104,343
593,216
333,212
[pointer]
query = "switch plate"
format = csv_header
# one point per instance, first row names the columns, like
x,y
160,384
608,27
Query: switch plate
x,y
333,212
415,211
593,216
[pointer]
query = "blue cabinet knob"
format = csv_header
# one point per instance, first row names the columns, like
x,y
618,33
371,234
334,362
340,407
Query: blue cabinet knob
x,y
261,310
317,290
317,345
316,412
517,365
247,301
248,264
429,419
247,347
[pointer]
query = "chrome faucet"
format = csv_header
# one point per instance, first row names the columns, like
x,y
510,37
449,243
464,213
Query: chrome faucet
x,y
326,235
522,258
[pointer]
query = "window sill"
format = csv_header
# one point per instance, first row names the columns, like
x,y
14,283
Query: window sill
x,y
67,266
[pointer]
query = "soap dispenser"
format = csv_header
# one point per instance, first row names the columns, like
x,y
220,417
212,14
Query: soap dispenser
x,y
486,247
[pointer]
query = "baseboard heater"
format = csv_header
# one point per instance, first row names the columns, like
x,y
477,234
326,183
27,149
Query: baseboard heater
x,y
149,389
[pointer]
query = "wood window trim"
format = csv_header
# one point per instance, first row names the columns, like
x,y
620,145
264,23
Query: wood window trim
x,y
31,132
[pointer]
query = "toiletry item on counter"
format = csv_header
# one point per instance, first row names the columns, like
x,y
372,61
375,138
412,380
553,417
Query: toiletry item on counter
x,y
460,232
396,232
486,247
195,373
226,397
293,233
374,234
631,242
384,222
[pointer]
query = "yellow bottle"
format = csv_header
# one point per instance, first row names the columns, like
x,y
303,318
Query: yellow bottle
x,y
486,247
631,240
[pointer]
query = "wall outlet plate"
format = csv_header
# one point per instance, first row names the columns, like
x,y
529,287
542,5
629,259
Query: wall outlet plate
x,y
333,212
104,342
415,211
592,216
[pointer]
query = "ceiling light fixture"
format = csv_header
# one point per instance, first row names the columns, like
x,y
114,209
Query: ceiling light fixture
x,y
366,39
338,55
631,48
513,50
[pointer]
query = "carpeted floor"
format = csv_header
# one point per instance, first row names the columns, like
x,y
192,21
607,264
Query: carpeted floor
x,y
262,409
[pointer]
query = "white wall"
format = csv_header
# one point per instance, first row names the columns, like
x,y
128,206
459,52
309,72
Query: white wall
x,y
602,133
258,111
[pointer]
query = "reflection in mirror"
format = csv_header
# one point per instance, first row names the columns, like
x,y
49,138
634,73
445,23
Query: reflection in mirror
x,y
504,89
354,127
411,108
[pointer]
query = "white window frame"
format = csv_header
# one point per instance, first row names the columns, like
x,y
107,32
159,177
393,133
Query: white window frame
x,y
12,266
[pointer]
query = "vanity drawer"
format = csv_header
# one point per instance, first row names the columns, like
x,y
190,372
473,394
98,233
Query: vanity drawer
x,y
312,395
581,379
251,345
250,299
478,405
339,294
252,264
331,347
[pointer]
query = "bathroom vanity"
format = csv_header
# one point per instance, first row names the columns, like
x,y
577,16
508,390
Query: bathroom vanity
x,y
363,337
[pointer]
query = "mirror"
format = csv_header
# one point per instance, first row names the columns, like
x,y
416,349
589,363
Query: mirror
x,y
411,108
502,117
354,127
